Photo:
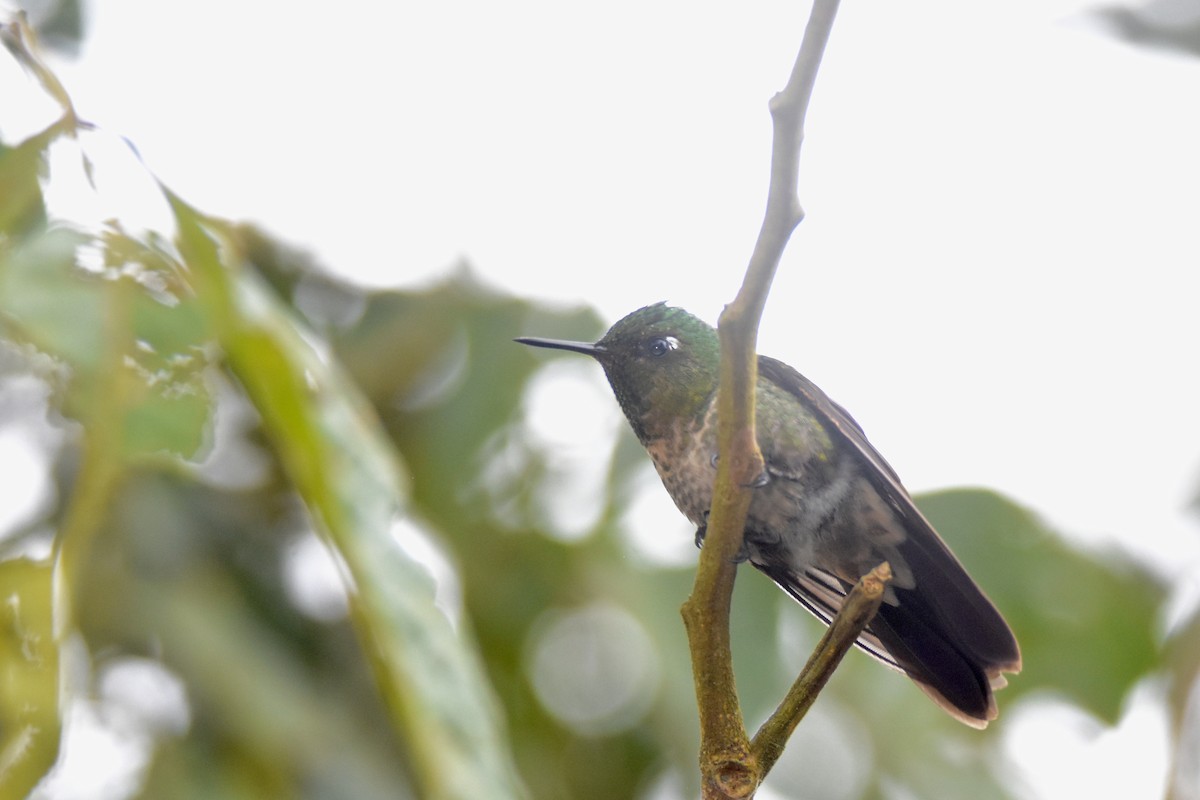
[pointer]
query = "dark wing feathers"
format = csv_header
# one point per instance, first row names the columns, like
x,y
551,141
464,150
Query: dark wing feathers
x,y
944,632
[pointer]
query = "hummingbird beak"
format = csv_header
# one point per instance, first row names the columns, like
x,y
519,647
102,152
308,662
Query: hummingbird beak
x,y
558,344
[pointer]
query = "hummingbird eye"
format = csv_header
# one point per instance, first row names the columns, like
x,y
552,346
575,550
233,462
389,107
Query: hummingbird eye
x,y
662,345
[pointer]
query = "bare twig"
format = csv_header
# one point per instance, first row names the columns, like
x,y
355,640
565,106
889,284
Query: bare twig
x,y
728,766
21,40
784,212
858,610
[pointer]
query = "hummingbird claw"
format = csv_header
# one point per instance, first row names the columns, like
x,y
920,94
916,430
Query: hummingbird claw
x,y
760,480
743,554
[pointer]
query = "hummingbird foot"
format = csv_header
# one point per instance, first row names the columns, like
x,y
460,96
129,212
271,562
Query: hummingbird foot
x,y
757,482
743,553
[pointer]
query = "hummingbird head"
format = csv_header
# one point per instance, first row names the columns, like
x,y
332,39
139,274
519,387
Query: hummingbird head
x,y
661,362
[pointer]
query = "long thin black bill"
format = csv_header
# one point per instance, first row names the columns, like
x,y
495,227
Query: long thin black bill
x,y
560,344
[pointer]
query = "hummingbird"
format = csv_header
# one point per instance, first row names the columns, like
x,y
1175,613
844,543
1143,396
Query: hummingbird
x,y
825,511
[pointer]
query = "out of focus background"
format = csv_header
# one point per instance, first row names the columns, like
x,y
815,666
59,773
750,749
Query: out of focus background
x,y
285,513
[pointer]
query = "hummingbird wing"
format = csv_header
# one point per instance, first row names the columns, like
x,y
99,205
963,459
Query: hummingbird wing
x,y
943,631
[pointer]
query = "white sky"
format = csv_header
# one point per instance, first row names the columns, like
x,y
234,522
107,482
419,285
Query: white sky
x,y
1000,271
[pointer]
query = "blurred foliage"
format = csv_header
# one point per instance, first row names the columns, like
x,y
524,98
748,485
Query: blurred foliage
x,y
140,328
29,709
59,23
226,405
1171,25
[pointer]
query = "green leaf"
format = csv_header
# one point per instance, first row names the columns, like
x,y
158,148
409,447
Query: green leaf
x,y
330,443
1086,621
134,348
49,303
29,726
21,205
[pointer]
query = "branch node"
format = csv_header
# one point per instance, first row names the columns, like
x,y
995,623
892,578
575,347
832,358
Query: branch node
x,y
875,582
735,779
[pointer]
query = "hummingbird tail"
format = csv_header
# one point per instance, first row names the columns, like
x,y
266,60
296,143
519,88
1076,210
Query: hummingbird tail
x,y
959,682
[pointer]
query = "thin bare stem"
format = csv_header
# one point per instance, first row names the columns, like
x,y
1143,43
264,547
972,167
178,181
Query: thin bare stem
x,y
21,40
728,766
789,109
857,611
